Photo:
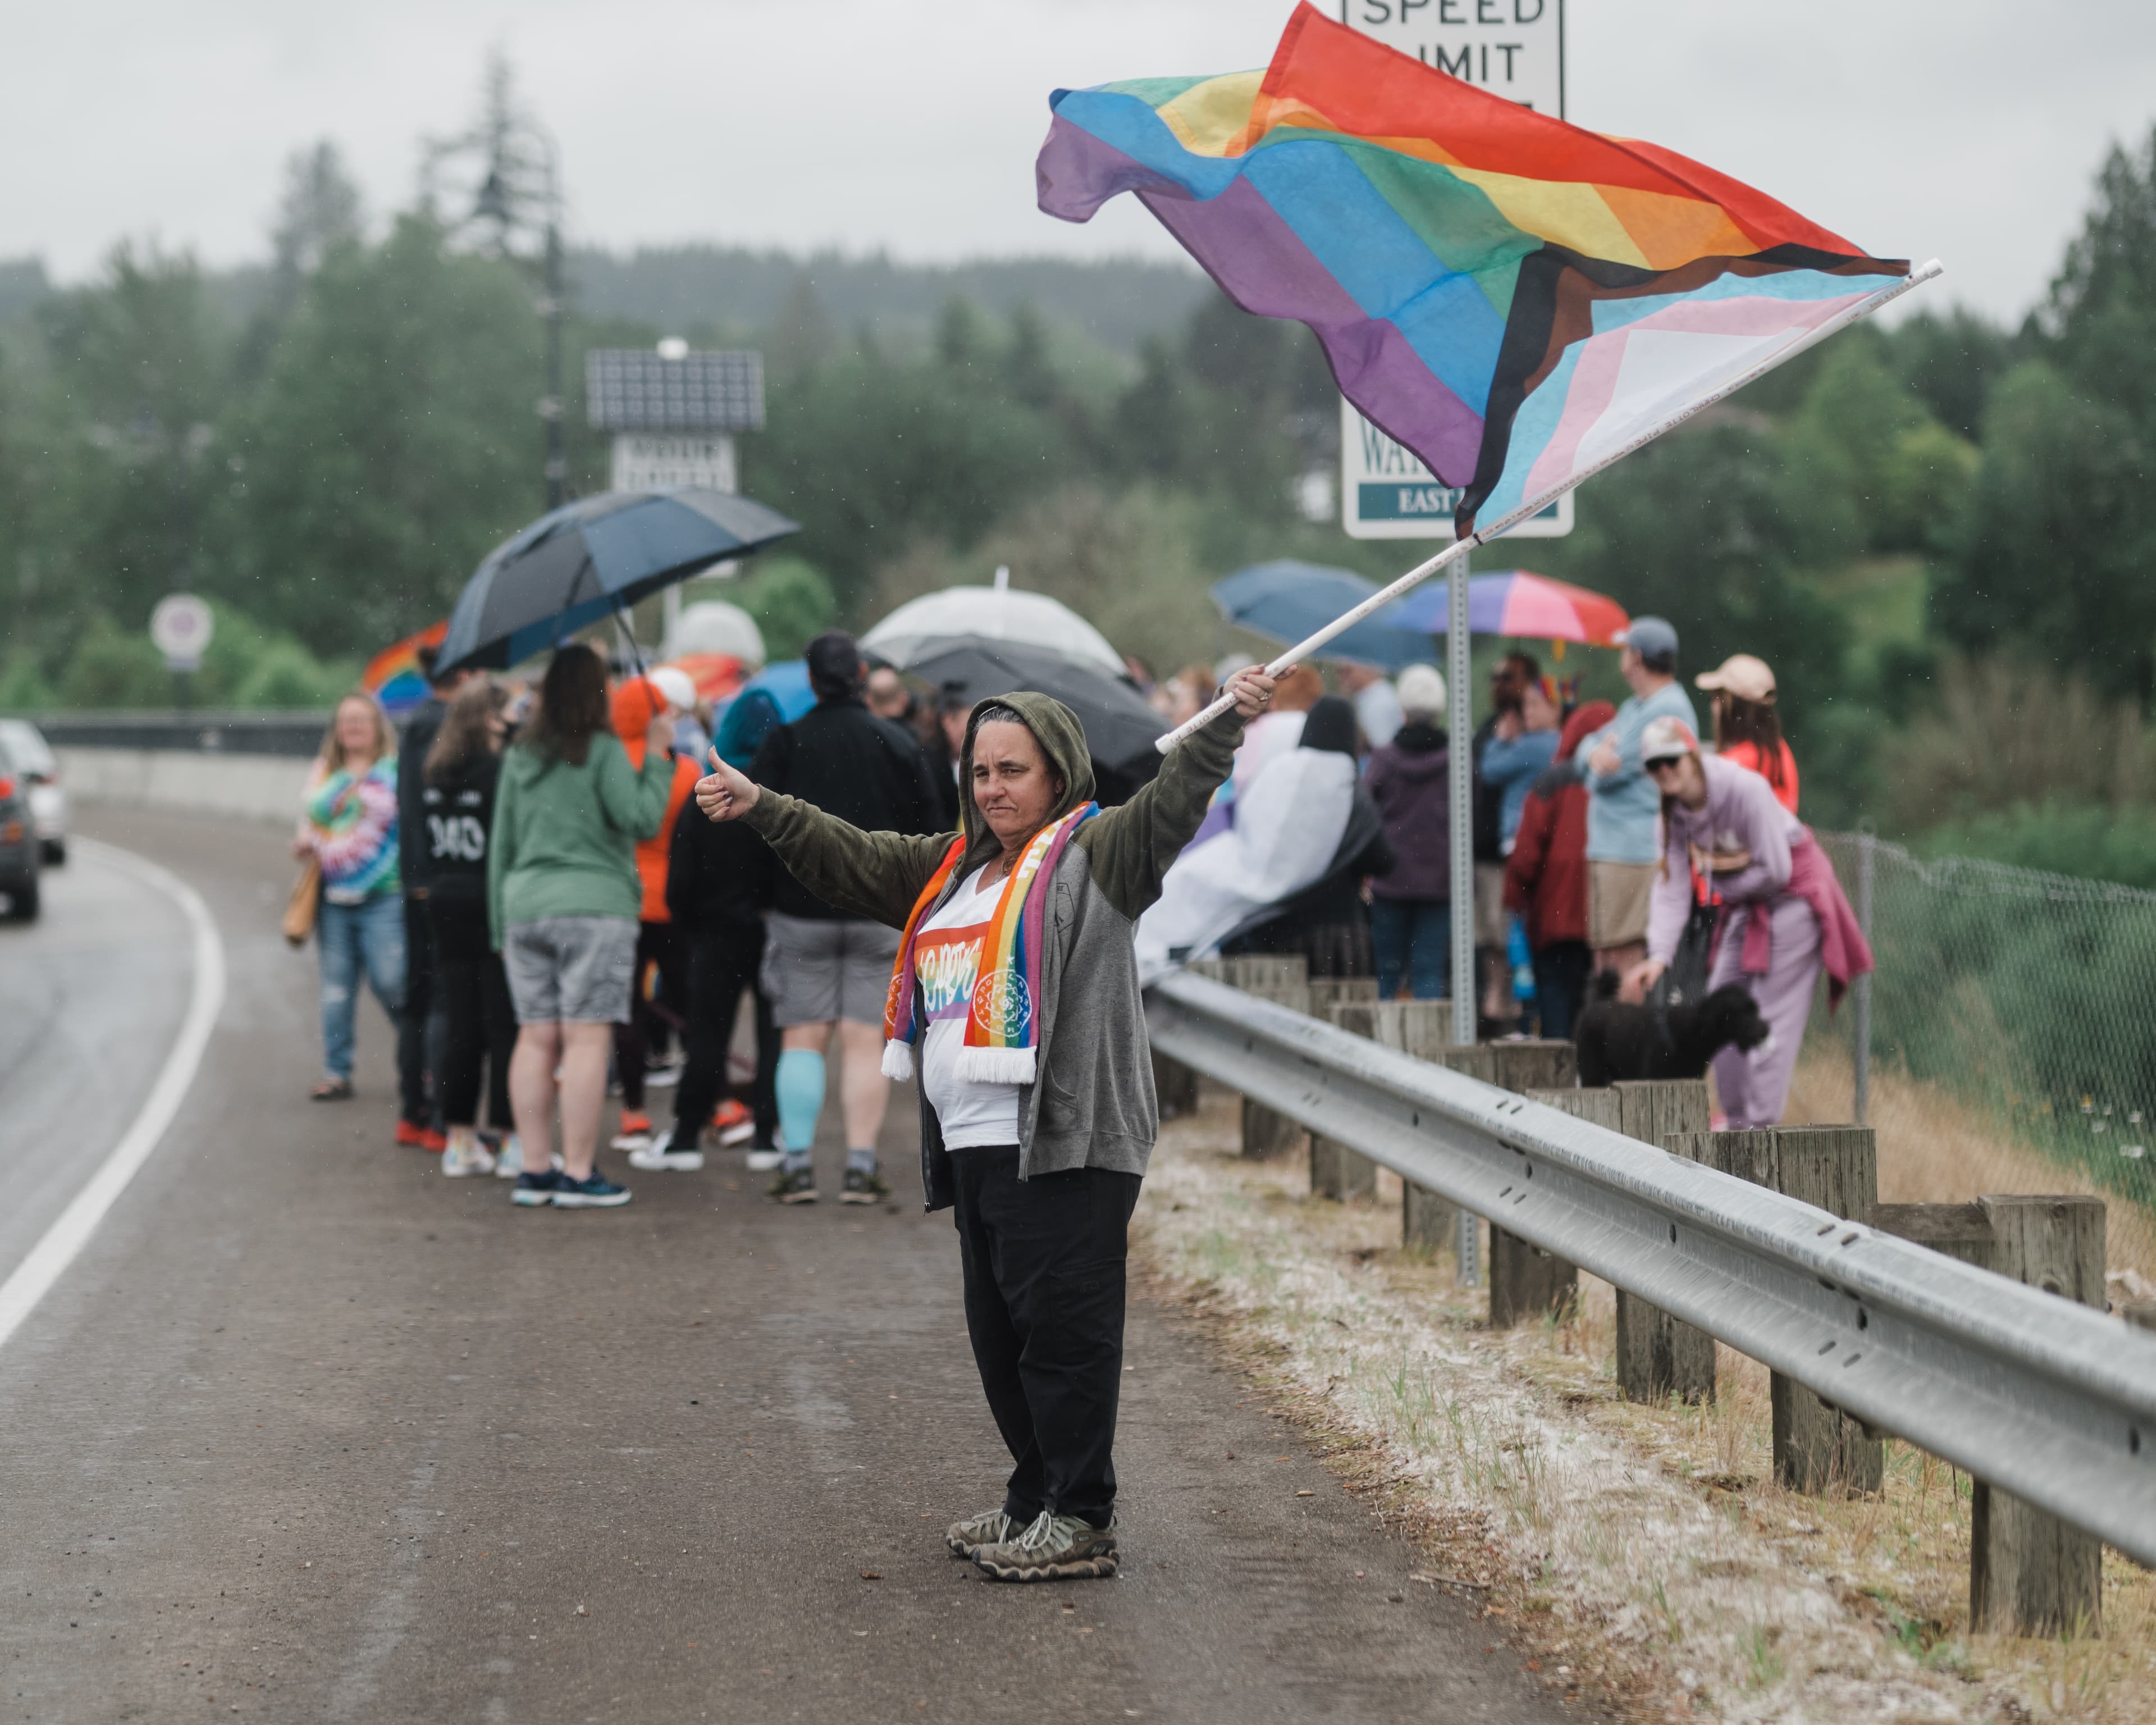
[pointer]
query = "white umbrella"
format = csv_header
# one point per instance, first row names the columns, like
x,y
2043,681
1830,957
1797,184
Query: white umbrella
x,y
1001,613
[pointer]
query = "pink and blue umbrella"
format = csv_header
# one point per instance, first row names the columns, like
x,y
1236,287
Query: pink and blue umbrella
x,y
1286,600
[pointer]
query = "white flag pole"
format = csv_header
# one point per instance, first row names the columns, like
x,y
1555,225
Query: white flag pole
x,y
1534,506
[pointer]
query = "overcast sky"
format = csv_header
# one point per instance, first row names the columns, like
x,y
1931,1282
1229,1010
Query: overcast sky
x,y
1964,129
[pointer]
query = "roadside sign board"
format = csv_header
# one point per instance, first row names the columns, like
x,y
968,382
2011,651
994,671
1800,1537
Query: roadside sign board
x,y
1387,493
1513,47
645,461
180,629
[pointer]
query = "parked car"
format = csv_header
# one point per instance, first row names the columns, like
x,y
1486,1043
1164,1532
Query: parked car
x,y
33,758
20,851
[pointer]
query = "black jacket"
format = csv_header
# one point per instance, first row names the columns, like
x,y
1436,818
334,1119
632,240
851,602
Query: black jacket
x,y
844,760
718,874
456,822
412,850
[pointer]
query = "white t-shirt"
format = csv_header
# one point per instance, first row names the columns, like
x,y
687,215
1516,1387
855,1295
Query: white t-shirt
x,y
946,957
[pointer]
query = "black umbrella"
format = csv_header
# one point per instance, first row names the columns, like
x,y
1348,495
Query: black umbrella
x,y
1119,728
597,555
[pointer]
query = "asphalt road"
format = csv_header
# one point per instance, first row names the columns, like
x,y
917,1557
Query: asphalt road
x,y
310,1433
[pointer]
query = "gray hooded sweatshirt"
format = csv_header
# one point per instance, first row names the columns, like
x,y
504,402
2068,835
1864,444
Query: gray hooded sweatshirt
x,y
1092,1105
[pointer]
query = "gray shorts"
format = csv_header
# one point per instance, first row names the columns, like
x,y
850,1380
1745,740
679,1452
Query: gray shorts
x,y
816,970
577,968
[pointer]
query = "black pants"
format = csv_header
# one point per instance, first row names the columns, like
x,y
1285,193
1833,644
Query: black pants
x,y
656,944
473,992
1043,1264
413,1102
722,960
1561,986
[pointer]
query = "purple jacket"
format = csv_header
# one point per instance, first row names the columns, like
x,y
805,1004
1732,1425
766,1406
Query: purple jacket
x,y
1409,780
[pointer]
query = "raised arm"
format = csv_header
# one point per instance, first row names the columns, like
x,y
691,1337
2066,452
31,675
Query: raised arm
x,y
1132,847
874,874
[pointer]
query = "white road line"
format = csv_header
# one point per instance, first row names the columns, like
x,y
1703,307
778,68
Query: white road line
x,y
71,1231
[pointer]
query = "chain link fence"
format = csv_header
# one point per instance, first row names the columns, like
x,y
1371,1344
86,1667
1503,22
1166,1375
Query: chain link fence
x,y
2026,998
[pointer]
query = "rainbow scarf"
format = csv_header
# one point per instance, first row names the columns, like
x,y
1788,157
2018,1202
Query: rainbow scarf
x,y
1002,1029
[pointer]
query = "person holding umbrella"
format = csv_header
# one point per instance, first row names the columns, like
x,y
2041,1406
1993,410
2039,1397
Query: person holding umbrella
x,y
1016,991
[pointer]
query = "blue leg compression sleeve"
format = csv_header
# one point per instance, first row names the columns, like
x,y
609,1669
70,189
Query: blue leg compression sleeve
x,y
800,1086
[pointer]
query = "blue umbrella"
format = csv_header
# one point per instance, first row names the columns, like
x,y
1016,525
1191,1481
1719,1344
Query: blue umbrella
x,y
777,695
1289,600
597,555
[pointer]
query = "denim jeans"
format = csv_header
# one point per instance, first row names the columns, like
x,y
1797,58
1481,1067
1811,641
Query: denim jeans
x,y
1414,936
370,933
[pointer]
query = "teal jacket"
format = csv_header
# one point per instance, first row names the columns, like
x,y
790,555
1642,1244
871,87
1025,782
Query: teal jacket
x,y
564,839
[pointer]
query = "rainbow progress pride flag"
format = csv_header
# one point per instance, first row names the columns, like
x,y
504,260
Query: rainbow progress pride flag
x,y
1512,298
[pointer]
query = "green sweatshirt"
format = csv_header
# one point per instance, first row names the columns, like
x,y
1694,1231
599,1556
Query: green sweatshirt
x,y
564,839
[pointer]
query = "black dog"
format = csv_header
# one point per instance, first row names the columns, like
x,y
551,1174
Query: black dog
x,y
1620,1041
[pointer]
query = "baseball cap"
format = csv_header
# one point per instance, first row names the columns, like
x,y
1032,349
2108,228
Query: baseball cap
x,y
677,686
1654,641
1741,675
1665,739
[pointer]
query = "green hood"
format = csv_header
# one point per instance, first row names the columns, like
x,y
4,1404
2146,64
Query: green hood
x,y
1061,738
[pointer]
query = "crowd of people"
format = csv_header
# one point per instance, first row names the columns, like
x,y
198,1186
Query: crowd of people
x,y
563,892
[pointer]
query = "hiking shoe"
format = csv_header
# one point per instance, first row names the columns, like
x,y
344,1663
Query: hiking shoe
x,y
1054,1548
535,1188
466,1156
764,1158
509,1159
798,1187
991,1526
635,1131
421,1137
864,1186
594,1193
660,1154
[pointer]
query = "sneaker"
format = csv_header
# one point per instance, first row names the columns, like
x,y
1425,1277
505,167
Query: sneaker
x,y
764,1158
509,1159
635,1131
535,1188
864,1186
733,1122
991,1526
661,1076
798,1187
597,1193
421,1137
660,1154
1054,1548
466,1156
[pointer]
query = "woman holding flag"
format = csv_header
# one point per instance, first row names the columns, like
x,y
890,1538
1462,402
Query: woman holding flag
x,y
1016,993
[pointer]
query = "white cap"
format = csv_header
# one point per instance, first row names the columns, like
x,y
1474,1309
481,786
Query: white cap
x,y
677,686
1740,674
1421,690
1667,738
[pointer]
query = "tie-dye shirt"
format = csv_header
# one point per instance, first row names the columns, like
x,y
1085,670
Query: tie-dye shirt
x,y
351,822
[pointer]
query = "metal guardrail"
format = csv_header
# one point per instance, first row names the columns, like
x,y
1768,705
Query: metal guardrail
x,y
292,734
2033,1393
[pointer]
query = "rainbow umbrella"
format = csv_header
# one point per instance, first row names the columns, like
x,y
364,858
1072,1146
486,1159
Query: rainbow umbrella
x,y
1514,602
393,675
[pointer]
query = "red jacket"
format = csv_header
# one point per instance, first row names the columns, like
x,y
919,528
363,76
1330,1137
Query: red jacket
x,y
1546,876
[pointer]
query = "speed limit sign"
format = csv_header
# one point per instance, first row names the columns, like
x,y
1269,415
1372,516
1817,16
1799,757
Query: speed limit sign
x,y
181,628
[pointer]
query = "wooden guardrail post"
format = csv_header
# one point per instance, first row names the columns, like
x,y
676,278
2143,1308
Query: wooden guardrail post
x,y
1817,1447
1266,1133
1329,991
1420,1028
1657,1357
2030,1574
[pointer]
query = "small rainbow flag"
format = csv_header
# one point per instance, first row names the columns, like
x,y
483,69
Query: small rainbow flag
x,y
1514,298
393,675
